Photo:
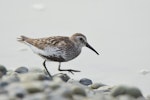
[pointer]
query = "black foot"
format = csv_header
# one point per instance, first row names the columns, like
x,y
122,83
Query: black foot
x,y
69,70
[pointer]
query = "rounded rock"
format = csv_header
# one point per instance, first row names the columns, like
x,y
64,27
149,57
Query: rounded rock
x,y
124,90
64,77
54,85
3,84
33,76
96,85
22,70
105,89
3,91
10,79
78,91
134,92
15,90
119,90
86,81
1,74
3,70
67,94
33,86
36,96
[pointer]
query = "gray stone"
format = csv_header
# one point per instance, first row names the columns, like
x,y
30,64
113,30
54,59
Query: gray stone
x,y
105,89
9,72
1,74
86,81
67,94
33,86
96,85
22,70
15,90
12,73
3,84
98,97
64,77
76,83
64,91
78,91
134,92
3,70
124,90
3,91
54,85
10,79
119,90
33,76
36,96
79,97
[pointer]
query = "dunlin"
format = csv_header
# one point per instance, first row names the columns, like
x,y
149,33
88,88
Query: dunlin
x,y
58,48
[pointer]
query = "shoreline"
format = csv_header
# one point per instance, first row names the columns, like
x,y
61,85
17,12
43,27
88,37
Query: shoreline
x,y
30,84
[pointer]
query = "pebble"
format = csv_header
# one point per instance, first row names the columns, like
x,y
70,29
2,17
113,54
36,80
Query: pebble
x,y
3,84
78,91
17,91
36,96
10,79
76,83
33,86
96,85
134,92
12,73
22,70
85,81
33,76
104,90
1,74
54,85
64,77
3,91
3,70
36,85
64,92
124,90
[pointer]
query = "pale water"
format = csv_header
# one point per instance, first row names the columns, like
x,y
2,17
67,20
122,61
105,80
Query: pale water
x,y
118,29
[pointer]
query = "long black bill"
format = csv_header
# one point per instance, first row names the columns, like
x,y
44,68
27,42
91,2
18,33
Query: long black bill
x,y
87,45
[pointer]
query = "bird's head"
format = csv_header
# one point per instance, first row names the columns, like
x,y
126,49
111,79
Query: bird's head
x,y
81,41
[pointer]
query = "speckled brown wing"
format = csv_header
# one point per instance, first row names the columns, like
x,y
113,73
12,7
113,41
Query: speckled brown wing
x,y
57,41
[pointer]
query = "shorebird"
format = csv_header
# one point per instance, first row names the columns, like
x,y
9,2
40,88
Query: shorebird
x,y
58,48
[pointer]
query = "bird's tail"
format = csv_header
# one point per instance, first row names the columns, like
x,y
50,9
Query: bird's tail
x,y
22,38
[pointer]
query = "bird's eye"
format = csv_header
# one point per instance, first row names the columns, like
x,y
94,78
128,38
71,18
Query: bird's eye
x,y
81,39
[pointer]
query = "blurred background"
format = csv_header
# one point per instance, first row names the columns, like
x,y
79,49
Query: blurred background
x,y
118,29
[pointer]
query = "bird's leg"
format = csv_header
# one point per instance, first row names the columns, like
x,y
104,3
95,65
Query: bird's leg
x,y
47,70
69,70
